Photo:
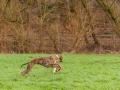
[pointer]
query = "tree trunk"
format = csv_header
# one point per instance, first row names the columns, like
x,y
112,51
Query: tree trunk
x,y
110,12
91,23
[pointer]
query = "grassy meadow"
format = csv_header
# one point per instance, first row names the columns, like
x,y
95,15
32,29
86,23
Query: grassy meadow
x,y
79,72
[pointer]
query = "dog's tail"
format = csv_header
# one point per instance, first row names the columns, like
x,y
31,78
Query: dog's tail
x,y
23,64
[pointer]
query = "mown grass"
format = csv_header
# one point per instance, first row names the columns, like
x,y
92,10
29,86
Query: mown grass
x,y
79,72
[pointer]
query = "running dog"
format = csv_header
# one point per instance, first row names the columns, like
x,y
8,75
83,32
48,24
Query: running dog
x,y
44,61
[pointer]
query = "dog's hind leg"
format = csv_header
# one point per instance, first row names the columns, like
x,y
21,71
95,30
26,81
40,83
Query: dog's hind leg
x,y
29,67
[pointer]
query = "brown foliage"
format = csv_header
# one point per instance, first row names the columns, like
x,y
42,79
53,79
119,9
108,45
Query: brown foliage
x,y
43,26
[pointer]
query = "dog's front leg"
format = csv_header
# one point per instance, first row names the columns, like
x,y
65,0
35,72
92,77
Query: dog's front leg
x,y
56,67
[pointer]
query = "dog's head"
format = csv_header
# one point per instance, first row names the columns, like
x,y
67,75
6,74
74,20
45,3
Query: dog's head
x,y
59,57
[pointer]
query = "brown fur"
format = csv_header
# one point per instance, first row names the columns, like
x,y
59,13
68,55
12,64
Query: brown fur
x,y
44,61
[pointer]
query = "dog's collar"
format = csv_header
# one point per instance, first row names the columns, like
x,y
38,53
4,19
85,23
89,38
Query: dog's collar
x,y
57,56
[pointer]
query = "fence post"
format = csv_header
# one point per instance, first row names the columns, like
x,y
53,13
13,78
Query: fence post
x,y
114,40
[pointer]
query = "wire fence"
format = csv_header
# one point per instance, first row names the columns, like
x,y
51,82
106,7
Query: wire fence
x,y
63,42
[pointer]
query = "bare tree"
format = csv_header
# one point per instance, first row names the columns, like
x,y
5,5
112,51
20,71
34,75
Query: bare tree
x,y
43,14
91,22
108,7
76,24
53,33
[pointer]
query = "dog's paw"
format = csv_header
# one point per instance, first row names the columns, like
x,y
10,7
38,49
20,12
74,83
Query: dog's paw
x,y
54,70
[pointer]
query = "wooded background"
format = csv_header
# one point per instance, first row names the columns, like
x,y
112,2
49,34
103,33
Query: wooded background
x,y
57,26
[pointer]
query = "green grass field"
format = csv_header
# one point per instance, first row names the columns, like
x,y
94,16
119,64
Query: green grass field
x,y
79,72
